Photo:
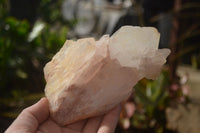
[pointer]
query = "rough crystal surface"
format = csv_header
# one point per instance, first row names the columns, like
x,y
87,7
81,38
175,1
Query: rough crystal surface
x,y
87,78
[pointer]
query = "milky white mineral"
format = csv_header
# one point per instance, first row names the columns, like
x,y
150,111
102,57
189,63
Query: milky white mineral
x,y
87,78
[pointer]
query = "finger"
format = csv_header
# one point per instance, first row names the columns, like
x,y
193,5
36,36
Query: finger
x,y
92,124
40,110
30,117
110,120
78,126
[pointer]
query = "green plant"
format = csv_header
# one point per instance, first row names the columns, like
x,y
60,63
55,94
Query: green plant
x,y
24,50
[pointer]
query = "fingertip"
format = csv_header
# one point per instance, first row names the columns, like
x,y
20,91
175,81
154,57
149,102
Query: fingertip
x,y
40,110
110,120
116,110
93,124
44,100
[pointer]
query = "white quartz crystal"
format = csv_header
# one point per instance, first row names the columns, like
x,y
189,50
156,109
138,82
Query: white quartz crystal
x,y
87,78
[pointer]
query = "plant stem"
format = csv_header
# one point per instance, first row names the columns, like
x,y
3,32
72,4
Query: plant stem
x,y
173,42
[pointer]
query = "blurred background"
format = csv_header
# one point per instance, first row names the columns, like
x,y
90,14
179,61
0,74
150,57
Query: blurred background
x,y
32,31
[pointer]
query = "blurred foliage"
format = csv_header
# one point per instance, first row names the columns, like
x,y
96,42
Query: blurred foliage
x,y
151,99
50,11
189,34
24,50
53,9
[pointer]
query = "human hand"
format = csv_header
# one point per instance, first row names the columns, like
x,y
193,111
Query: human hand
x,y
36,119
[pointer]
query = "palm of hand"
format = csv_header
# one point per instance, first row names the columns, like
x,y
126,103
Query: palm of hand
x,y
36,119
100,124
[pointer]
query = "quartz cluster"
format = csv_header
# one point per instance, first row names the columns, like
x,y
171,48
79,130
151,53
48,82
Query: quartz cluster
x,y
87,78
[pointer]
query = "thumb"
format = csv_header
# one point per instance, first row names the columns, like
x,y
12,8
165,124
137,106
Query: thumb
x,y
30,118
